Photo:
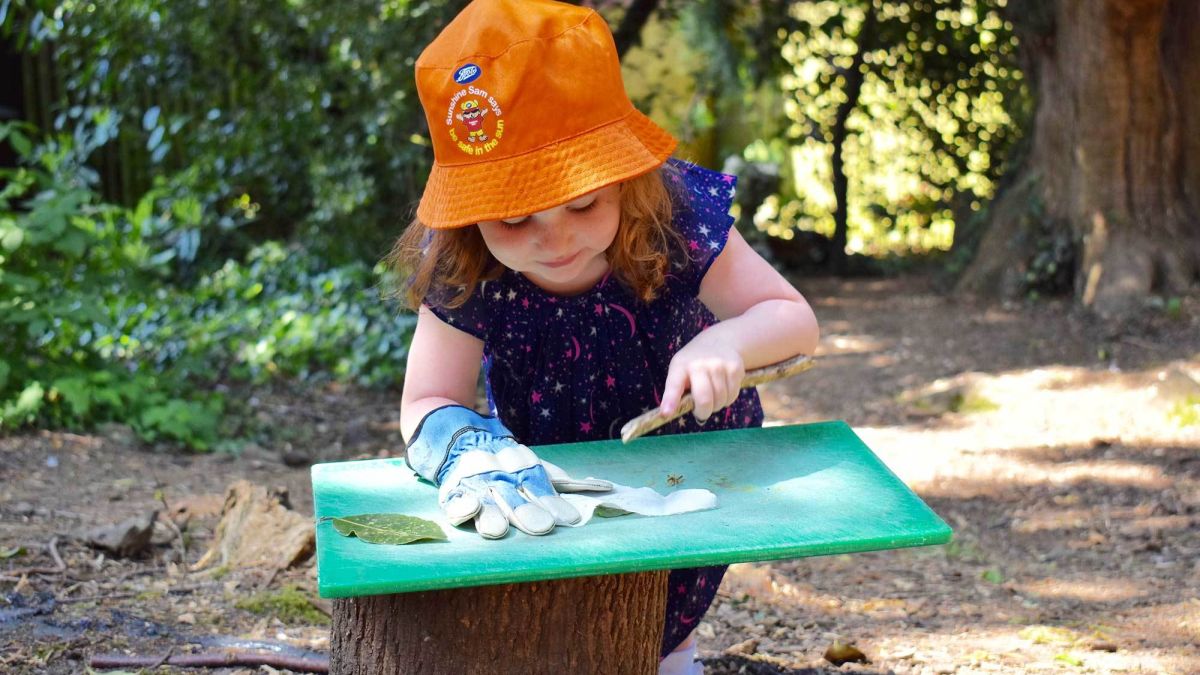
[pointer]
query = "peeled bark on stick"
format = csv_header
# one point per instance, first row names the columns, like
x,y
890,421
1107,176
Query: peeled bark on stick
x,y
600,624
1115,159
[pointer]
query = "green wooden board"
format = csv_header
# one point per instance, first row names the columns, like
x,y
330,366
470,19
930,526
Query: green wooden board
x,y
784,492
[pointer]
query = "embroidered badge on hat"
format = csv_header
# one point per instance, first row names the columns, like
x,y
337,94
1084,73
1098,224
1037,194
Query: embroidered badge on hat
x,y
476,113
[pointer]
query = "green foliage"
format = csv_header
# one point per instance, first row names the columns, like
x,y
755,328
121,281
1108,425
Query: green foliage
x,y
1069,659
1174,308
942,106
1186,413
992,576
284,312
972,402
942,102
271,118
92,331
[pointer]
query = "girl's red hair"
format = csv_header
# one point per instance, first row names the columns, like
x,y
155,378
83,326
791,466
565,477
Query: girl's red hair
x,y
453,261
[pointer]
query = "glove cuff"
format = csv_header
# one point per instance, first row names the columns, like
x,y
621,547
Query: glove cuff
x,y
436,435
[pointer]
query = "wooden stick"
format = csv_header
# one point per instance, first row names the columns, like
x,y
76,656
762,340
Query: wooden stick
x,y
212,660
653,419
52,547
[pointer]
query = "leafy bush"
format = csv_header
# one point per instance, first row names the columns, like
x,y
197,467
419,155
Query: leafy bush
x,y
91,331
279,119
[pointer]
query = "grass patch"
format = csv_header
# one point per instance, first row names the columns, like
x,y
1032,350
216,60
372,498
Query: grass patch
x,y
1048,635
1186,413
1069,659
964,550
992,576
289,604
972,403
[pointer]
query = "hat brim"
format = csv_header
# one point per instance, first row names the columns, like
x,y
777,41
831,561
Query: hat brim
x,y
512,187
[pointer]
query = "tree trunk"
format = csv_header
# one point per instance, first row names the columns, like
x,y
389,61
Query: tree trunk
x,y
1113,164
841,184
629,33
603,624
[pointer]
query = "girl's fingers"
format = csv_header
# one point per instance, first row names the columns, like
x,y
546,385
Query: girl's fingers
x,y
673,389
733,383
724,384
713,384
703,392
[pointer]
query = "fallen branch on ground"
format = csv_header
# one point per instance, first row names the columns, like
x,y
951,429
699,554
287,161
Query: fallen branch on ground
x,y
52,547
59,565
212,660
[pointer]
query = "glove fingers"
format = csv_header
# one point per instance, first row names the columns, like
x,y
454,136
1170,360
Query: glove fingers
x,y
460,507
491,522
560,509
528,517
582,485
535,484
564,483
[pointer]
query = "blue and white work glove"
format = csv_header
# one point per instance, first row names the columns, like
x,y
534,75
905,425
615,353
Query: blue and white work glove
x,y
482,472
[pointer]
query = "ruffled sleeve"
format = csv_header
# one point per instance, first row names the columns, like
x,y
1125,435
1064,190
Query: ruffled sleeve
x,y
474,316
703,198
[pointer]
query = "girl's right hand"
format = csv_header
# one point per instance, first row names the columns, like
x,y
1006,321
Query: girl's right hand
x,y
711,370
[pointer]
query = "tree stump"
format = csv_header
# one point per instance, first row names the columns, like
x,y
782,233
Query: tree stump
x,y
601,624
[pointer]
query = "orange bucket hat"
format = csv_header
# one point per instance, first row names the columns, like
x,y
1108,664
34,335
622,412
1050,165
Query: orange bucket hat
x,y
526,111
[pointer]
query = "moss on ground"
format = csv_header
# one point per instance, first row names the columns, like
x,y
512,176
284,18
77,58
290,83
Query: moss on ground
x,y
290,604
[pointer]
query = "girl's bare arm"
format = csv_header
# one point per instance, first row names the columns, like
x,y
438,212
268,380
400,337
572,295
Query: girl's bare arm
x,y
443,369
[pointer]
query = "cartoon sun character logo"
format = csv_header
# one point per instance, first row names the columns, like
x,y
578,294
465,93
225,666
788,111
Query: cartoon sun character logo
x,y
471,114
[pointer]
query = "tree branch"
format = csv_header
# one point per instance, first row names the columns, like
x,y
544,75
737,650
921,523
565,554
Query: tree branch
x,y
629,33
212,660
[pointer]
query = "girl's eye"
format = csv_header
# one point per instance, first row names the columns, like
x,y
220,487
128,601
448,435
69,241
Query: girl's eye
x,y
513,224
585,208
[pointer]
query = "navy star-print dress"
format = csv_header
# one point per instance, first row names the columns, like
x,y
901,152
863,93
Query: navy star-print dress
x,y
566,369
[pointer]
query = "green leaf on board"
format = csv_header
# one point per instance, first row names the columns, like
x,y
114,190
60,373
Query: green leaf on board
x,y
6,553
387,528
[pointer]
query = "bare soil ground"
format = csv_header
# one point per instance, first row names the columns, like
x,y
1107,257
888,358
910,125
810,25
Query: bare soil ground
x,y
1056,445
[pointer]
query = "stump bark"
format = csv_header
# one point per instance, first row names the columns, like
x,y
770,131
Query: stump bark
x,y
603,624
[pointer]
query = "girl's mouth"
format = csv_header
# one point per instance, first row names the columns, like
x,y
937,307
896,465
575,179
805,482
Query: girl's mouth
x,y
562,262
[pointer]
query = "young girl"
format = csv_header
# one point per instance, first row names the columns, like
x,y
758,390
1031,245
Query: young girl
x,y
592,277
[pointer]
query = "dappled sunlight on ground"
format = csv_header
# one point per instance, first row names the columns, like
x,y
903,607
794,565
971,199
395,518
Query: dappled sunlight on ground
x,y
1093,589
1022,409
1053,452
1047,444
851,344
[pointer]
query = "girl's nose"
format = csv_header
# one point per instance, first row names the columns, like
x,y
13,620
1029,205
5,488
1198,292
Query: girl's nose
x,y
554,234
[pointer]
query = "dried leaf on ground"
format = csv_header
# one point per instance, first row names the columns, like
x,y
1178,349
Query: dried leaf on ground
x,y
840,652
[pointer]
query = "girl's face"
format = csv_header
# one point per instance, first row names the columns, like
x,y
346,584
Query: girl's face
x,y
560,249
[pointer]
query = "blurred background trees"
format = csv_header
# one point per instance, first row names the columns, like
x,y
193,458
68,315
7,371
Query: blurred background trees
x,y
196,194
1107,202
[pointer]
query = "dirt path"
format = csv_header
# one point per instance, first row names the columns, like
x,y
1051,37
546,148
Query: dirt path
x,y
1046,440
